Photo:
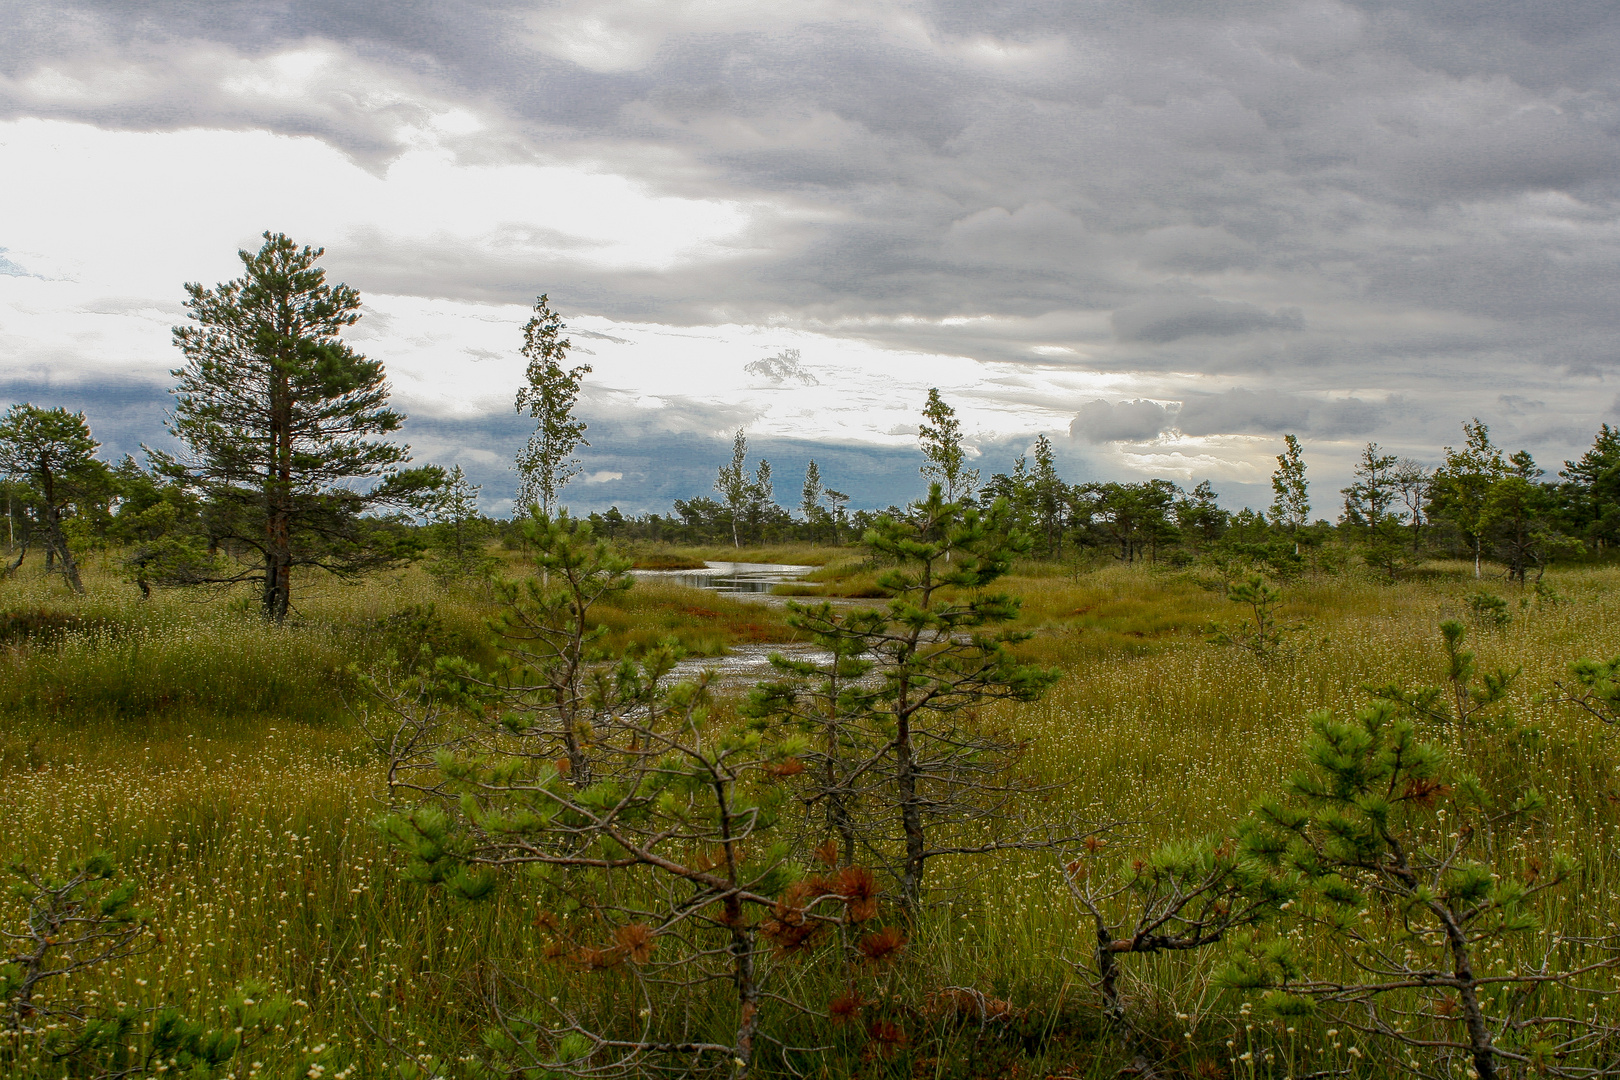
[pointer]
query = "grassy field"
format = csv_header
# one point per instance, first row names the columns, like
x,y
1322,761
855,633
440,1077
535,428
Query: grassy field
x,y
217,760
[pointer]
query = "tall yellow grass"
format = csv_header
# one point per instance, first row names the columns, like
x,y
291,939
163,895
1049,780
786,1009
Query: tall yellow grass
x,y
214,758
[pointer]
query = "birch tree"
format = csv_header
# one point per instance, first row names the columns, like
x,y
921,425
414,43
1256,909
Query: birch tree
x,y
546,462
941,438
1291,505
733,484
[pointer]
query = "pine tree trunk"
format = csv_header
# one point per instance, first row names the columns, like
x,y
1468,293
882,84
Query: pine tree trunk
x,y
1479,1035
1108,977
57,543
741,947
22,553
278,555
278,521
905,768
1114,1006
70,566
748,990
277,582
567,694
838,818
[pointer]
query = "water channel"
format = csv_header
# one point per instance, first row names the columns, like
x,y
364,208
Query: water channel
x,y
731,577
743,665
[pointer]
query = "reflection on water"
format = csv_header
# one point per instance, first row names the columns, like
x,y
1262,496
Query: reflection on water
x,y
745,665
731,577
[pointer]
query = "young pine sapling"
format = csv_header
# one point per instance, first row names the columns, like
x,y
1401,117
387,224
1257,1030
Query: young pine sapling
x,y
650,829
1263,635
1467,702
1595,689
1184,897
899,766
1433,936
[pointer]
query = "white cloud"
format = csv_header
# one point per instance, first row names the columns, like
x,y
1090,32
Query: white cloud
x,y
148,209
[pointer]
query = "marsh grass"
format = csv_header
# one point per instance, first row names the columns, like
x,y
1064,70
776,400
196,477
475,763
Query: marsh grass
x,y
701,621
214,758
208,655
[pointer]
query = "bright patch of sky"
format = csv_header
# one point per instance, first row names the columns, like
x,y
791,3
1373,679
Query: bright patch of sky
x,y
101,288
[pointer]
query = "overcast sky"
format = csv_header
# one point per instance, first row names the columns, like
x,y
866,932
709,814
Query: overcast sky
x,y
1163,232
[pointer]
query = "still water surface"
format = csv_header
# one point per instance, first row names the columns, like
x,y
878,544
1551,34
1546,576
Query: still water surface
x,y
743,665
731,577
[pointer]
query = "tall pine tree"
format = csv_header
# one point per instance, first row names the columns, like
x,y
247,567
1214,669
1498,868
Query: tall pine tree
x,y
732,483
1593,489
277,416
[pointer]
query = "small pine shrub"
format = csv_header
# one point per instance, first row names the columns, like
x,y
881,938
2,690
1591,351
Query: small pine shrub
x,y
1488,609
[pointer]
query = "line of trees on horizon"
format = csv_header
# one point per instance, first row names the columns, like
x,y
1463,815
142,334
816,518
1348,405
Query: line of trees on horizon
x,y
1480,502
285,463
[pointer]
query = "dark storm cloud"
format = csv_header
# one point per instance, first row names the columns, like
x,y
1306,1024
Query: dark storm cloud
x,y
1242,411
123,414
658,458
1421,197
1170,318
1100,421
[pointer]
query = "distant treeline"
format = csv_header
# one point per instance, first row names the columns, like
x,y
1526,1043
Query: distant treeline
x,y
1479,503
284,461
